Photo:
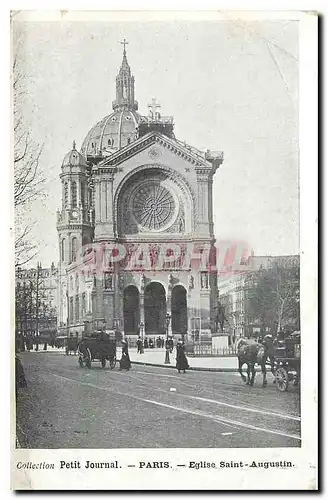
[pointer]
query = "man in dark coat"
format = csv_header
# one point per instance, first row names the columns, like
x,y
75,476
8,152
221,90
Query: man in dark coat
x,y
139,346
19,374
182,362
125,363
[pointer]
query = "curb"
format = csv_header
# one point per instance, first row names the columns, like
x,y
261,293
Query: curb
x,y
191,368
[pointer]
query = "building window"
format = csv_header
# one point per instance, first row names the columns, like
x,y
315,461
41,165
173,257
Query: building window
x,y
77,284
74,249
74,195
71,310
83,304
77,305
63,256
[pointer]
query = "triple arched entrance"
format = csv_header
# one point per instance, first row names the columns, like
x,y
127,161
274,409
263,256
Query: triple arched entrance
x,y
154,310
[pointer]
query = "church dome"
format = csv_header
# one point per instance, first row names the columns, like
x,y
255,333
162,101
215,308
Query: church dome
x,y
74,159
120,127
113,132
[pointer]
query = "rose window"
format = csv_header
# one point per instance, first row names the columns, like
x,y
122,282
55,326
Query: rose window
x,y
153,205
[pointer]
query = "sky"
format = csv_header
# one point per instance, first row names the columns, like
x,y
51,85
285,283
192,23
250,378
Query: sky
x,y
230,86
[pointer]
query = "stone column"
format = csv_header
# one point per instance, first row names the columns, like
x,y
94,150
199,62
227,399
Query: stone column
x,y
98,201
203,227
142,314
69,204
169,309
110,204
78,192
104,200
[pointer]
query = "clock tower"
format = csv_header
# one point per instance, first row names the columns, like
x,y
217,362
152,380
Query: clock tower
x,y
75,222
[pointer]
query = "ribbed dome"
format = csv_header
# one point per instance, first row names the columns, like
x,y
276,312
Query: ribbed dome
x,y
74,158
113,132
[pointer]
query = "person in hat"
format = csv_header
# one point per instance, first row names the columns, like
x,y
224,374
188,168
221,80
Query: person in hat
x,y
125,363
139,346
181,359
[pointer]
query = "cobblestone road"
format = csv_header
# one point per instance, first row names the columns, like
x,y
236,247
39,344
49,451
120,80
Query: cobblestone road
x,y
65,406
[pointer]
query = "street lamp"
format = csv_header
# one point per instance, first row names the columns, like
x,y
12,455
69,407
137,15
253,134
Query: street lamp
x,y
167,348
142,330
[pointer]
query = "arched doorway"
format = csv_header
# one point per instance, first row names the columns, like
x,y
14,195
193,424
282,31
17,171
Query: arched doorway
x,y
131,310
179,310
155,309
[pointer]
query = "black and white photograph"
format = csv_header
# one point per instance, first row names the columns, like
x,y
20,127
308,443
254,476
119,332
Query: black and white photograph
x,y
157,248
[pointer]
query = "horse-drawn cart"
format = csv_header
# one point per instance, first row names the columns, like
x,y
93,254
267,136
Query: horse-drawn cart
x,y
287,362
97,348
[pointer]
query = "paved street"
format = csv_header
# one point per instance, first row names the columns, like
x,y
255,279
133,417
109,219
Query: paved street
x,y
66,406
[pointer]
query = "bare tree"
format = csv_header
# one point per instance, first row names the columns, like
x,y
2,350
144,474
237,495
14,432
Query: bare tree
x,y
28,176
273,296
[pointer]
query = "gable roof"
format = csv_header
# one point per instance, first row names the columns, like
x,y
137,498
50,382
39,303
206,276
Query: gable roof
x,y
192,155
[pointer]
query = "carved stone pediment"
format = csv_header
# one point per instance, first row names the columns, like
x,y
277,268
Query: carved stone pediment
x,y
154,140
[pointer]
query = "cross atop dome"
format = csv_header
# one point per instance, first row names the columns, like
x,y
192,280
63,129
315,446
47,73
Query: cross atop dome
x,y
124,43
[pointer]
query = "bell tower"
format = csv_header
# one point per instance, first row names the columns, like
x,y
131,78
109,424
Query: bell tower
x,y
75,221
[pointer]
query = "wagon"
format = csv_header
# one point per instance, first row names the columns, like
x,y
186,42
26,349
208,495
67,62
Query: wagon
x,y
99,347
287,362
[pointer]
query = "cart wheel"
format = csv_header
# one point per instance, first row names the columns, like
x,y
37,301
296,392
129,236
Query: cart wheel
x,y
112,363
103,362
81,361
88,359
282,379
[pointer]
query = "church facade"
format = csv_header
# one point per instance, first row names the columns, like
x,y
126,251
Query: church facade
x,y
135,227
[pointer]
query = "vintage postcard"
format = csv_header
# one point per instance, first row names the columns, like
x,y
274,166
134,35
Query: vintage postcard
x,y
165,325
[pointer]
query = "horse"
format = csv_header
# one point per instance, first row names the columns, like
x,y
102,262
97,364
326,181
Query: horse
x,y
251,353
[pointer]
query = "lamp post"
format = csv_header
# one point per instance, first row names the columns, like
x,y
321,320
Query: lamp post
x,y
142,330
167,348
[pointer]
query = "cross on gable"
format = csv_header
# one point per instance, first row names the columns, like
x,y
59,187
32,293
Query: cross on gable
x,y
153,107
124,43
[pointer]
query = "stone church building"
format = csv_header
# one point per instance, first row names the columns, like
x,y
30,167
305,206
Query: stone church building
x,y
135,227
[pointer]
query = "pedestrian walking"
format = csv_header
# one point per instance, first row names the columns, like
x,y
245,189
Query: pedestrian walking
x,y
139,346
125,363
181,359
19,374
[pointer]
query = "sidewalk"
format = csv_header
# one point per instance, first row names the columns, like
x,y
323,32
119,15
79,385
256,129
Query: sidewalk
x,y
156,357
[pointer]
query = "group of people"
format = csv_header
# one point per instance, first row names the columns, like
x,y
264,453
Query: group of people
x,y
30,342
149,343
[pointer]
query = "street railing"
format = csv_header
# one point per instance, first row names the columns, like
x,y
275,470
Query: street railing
x,y
209,350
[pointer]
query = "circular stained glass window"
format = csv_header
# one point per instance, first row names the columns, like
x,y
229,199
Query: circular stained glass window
x,y
153,205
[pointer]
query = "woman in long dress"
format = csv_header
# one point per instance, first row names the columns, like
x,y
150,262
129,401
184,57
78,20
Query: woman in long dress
x,y
182,362
125,363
